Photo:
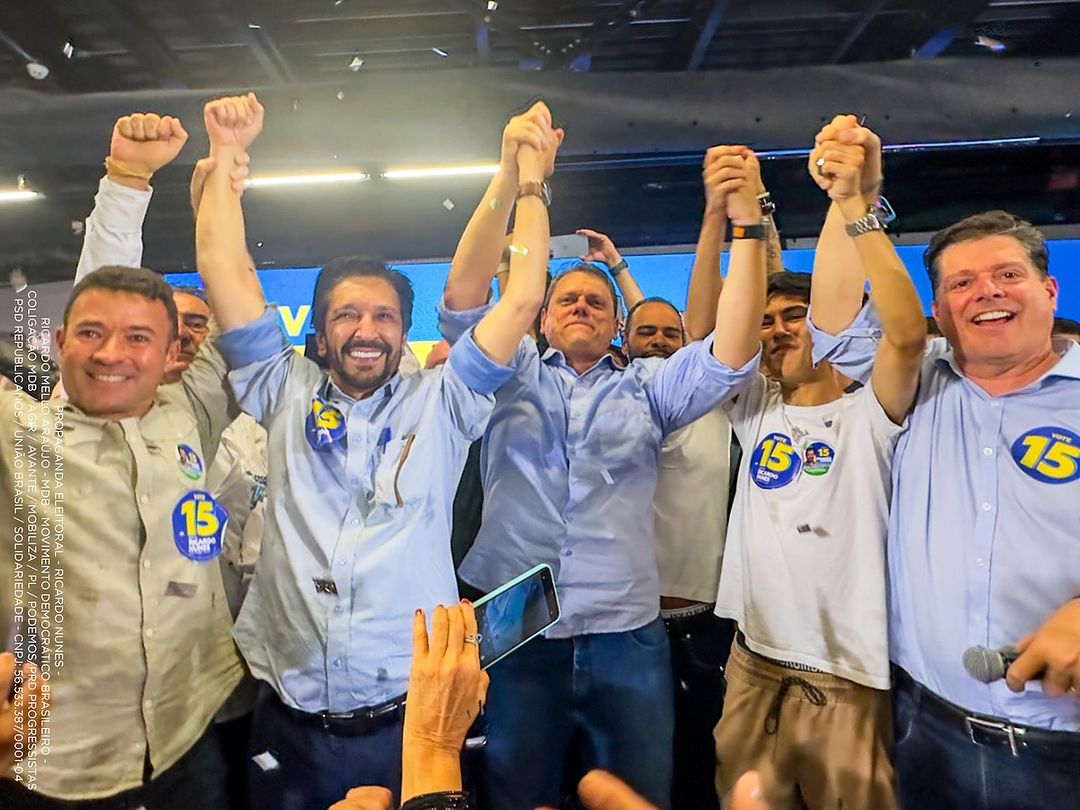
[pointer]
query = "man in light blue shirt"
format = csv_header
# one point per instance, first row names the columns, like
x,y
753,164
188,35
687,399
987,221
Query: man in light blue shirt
x,y
363,463
983,547
569,468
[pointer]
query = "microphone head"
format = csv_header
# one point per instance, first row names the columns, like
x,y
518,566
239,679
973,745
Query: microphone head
x,y
984,665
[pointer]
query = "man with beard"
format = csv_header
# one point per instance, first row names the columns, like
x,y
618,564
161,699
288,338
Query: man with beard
x,y
982,544
569,465
363,464
803,573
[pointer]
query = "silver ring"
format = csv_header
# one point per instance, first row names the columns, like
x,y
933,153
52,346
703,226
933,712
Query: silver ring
x,y
820,163
473,638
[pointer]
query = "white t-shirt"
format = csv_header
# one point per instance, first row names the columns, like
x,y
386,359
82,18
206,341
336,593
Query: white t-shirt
x,y
804,568
691,507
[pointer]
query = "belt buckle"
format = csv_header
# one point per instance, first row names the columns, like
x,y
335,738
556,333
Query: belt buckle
x,y
1008,729
329,718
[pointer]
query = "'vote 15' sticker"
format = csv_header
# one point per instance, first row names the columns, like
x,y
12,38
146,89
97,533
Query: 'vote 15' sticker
x,y
1048,454
198,523
775,462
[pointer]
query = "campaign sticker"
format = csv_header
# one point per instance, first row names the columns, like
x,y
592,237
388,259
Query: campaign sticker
x,y
1048,454
198,523
324,425
818,458
190,463
775,462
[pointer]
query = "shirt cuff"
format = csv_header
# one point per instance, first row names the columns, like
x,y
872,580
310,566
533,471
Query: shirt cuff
x,y
259,340
453,323
474,368
719,371
866,326
119,208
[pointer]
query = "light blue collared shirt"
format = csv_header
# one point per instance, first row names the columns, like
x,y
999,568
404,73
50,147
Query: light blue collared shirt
x,y
569,467
984,530
371,514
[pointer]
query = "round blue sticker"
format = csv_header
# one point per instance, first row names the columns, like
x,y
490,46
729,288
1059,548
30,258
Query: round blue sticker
x,y
818,458
1048,454
775,462
198,523
190,463
324,424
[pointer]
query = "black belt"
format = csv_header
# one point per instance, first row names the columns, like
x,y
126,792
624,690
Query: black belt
x,y
356,723
985,730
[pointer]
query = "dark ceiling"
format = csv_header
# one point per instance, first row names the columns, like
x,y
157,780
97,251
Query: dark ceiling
x,y
105,57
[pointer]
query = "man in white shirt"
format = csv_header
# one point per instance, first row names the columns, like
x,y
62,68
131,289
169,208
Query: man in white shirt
x,y
804,569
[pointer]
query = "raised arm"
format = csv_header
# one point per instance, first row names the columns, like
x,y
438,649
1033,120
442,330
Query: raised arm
x,y
741,306
501,330
895,377
141,144
839,279
220,247
602,249
480,247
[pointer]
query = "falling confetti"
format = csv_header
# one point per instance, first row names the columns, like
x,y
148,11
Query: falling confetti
x,y
448,204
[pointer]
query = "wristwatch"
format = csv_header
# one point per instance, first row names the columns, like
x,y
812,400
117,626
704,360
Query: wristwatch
x,y
534,189
765,203
760,231
871,221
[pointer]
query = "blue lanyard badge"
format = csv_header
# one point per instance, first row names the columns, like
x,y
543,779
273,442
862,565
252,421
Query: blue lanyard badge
x,y
325,424
198,523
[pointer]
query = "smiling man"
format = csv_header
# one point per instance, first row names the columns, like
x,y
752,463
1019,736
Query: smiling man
x,y
363,463
983,544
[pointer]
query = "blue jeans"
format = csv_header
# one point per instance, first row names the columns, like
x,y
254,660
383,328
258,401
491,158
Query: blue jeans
x,y
315,768
938,767
612,691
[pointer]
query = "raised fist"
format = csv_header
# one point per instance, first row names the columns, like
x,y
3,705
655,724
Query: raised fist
x,y
144,142
233,121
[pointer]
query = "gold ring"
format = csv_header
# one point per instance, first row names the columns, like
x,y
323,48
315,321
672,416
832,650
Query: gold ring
x,y
473,638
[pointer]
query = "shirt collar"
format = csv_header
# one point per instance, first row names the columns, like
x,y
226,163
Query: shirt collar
x,y
554,357
1068,364
329,391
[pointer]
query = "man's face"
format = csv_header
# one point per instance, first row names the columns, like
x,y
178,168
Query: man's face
x,y
654,331
364,335
114,351
193,322
580,318
991,303
785,341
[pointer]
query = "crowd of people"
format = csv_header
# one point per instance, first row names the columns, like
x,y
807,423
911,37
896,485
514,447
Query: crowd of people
x,y
776,519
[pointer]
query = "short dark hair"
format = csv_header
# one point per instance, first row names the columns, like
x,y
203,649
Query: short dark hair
x,y
347,267
1066,326
978,226
789,284
135,280
592,270
653,300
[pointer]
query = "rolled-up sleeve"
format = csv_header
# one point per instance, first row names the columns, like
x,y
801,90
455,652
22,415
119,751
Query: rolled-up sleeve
x,y
453,324
261,358
852,351
692,382
470,379
113,231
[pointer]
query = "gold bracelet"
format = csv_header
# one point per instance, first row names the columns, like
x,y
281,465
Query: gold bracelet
x,y
119,169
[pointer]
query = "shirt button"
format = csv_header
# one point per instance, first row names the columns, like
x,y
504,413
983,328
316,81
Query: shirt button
x,y
354,481
987,507
987,451
995,404
149,632
356,440
148,704
337,663
567,552
340,562
356,521
980,621
146,564
979,561
338,609
144,498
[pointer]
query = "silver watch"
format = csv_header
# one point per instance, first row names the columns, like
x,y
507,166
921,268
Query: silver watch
x,y
870,222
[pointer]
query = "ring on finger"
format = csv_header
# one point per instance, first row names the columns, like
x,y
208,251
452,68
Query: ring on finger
x,y
473,638
820,163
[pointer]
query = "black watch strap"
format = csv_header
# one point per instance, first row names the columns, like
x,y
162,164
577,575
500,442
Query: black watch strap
x,y
760,231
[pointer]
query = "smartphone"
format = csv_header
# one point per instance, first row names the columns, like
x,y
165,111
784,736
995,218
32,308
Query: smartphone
x,y
568,246
516,613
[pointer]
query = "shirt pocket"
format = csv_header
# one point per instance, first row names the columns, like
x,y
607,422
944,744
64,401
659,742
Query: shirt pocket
x,y
395,483
620,437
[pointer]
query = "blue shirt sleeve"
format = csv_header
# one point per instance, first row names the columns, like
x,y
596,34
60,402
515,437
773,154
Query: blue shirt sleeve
x,y
692,382
452,324
258,340
852,351
474,368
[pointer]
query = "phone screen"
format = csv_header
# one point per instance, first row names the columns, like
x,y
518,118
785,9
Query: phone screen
x,y
515,613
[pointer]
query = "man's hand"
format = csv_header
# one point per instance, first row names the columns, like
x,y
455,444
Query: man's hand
x,y
847,130
142,143
836,167
732,175
1054,651
601,248
600,790
532,128
233,121
365,798
15,714
238,176
534,162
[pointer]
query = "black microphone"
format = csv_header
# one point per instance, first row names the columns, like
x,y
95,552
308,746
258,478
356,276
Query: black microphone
x,y
986,665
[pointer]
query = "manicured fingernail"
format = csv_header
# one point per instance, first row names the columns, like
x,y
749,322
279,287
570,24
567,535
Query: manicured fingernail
x,y
419,612
466,602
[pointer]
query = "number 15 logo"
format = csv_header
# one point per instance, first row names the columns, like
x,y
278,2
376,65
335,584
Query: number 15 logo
x,y
1049,454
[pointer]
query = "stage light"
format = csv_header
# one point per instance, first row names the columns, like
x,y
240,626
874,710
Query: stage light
x,y
421,172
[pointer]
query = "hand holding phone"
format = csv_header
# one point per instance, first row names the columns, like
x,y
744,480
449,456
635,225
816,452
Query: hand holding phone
x,y
515,613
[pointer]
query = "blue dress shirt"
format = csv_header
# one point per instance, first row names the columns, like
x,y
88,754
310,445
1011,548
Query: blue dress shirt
x,y
984,530
357,534
569,467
